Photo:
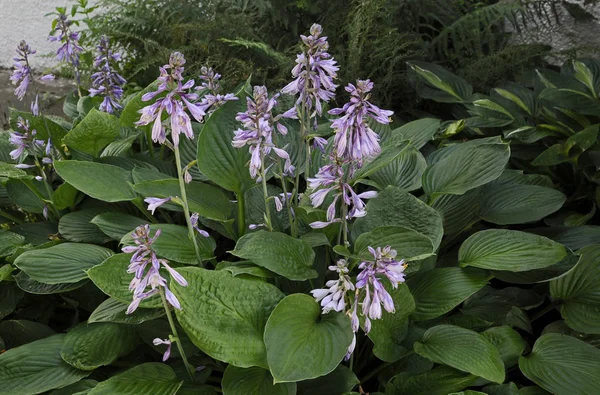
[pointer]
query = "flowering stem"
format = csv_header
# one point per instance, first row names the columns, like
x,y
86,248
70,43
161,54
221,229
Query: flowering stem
x,y
293,225
263,176
344,229
188,367
48,188
241,206
186,210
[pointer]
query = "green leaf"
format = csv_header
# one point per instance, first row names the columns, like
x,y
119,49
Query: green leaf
x,y
77,227
517,204
9,170
112,278
26,194
418,132
93,133
79,388
395,207
148,378
563,365
388,332
403,172
462,349
459,212
225,316
438,291
295,330
439,84
113,310
389,153
508,342
501,249
175,245
36,367
578,292
439,381
539,275
341,379
117,225
465,166
254,380
9,242
89,346
62,263
410,245
217,159
11,295
570,99
64,196
41,124
103,182
31,286
278,252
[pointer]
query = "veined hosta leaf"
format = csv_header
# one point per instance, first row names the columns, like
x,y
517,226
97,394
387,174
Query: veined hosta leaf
x,y
89,346
112,278
77,226
459,211
464,167
113,310
395,207
93,133
296,330
578,292
563,365
254,380
174,243
548,273
217,159
404,171
418,132
9,242
440,84
341,379
100,181
462,349
389,153
511,250
79,388
225,316
148,378
62,263
517,204
509,343
438,291
278,252
32,286
36,367
117,225
409,244
441,380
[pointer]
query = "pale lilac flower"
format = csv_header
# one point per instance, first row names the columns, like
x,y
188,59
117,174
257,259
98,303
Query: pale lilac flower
x,y
106,81
211,88
258,125
158,341
174,104
334,297
354,139
25,143
313,74
154,203
144,256
194,220
70,49
255,226
22,75
282,200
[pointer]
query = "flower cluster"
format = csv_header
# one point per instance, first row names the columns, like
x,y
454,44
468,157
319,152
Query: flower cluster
x,y
26,143
144,258
22,75
313,74
174,103
70,49
331,178
106,81
354,139
258,123
211,87
370,292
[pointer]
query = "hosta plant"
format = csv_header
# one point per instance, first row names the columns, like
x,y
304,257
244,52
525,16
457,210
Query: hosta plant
x,y
184,240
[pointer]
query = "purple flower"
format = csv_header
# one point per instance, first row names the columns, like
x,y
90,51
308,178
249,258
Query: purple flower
x,y
144,257
210,80
313,74
106,81
70,49
22,75
334,297
154,203
354,139
25,141
158,341
194,220
176,101
257,131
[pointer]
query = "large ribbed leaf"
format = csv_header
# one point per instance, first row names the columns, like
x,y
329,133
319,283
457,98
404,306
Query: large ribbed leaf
x,y
462,349
113,310
303,344
89,346
93,133
505,204
225,316
148,378
563,365
418,132
77,226
409,244
117,225
441,380
459,211
404,171
465,166
341,379
509,343
255,380
32,286
100,181
395,207
36,367
438,291
62,263
511,250
578,292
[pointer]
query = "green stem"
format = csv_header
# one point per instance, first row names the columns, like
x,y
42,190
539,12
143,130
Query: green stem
x,y
241,206
542,312
263,176
47,186
186,210
188,367
293,224
345,222
11,217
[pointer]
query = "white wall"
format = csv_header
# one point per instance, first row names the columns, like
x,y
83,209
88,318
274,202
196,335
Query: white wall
x,y
24,19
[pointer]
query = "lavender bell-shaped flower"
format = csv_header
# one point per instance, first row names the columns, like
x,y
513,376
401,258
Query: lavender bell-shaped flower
x,y
22,75
211,87
25,142
158,341
70,49
144,257
334,297
106,81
